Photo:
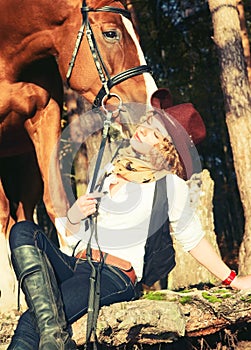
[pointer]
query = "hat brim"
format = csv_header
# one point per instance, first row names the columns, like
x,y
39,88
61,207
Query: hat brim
x,y
185,126
183,143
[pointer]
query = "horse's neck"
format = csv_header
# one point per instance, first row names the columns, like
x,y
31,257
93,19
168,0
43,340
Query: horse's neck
x,y
41,37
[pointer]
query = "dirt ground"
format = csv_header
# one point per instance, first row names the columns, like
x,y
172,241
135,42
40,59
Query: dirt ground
x,y
8,323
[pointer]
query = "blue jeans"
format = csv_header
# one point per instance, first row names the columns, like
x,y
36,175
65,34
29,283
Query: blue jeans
x,y
73,280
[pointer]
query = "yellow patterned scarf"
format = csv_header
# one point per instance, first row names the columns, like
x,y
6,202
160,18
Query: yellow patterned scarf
x,y
136,168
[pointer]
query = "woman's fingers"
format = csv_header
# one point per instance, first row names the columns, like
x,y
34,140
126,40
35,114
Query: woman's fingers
x,y
81,209
87,205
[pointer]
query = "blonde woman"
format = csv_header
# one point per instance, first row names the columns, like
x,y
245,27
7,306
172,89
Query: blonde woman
x,y
115,246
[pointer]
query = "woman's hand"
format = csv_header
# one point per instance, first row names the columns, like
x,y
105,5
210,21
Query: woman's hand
x,y
83,207
205,254
241,282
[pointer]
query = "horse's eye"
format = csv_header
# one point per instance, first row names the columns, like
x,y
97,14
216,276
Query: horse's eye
x,y
111,35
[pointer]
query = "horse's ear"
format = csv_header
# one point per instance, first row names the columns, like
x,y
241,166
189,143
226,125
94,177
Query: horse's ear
x,y
162,98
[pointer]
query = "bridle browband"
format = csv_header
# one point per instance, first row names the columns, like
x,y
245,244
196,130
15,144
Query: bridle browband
x,y
107,81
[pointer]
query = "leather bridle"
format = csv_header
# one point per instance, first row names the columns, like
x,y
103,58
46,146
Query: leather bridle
x,y
107,81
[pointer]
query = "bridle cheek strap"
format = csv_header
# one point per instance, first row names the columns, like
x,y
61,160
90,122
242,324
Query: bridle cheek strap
x,y
107,81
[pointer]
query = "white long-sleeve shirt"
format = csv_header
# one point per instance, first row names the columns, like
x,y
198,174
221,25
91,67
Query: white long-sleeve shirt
x,y
123,220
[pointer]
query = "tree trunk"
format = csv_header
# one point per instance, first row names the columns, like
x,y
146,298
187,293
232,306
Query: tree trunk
x,y
75,105
166,316
237,94
131,8
188,271
244,37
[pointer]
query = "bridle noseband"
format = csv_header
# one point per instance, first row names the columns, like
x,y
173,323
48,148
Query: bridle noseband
x,y
107,81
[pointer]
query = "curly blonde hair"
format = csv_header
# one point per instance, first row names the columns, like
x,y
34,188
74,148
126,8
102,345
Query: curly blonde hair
x,y
165,156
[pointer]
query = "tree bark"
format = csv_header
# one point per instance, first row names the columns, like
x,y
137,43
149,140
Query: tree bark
x,y
166,316
244,37
237,94
130,7
188,271
75,105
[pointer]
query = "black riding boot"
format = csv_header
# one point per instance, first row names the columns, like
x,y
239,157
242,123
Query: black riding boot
x,y
43,297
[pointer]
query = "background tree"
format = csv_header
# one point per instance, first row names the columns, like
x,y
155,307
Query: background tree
x,y
237,96
244,37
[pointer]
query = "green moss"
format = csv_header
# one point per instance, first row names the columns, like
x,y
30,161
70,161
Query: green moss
x,y
154,296
185,299
227,295
211,298
246,298
221,291
186,291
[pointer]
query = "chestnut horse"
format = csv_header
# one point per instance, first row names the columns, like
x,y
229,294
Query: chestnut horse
x,y
38,41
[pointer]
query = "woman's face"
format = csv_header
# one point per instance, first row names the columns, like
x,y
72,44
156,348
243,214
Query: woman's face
x,y
147,135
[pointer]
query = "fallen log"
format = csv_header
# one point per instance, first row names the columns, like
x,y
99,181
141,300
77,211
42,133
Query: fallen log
x,y
166,316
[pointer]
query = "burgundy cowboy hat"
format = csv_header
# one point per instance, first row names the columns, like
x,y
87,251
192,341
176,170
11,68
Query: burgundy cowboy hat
x,y
185,126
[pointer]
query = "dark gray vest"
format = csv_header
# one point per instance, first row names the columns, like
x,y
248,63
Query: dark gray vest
x,y
159,257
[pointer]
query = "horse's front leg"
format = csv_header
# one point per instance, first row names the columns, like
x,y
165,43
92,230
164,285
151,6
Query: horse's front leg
x,y
45,130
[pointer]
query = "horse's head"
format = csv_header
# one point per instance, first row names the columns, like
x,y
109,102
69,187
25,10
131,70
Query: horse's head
x,y
108,55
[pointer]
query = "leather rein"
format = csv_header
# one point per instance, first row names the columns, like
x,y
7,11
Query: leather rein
x,y
107,81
